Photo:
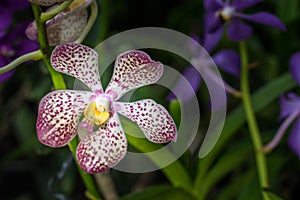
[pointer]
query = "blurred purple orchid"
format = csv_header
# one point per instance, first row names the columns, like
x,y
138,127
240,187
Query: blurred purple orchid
x,y
66,26
220,13
290,112
227,60
105,144
12,45
7,9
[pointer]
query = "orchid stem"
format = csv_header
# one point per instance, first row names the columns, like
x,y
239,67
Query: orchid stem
x,y
252,123
89,25
59,83
49,15
35,55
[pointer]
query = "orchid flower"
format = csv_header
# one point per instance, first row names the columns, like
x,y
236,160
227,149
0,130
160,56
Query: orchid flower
x,y
105,145
290,112
66,26
227,60
220,13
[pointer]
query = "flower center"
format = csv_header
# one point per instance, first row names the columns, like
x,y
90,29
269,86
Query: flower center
x,y
226,13
96,113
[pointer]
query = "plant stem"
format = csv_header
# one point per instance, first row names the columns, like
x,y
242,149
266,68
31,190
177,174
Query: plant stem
x,y
89,25
49,15
59,83
35,55
252,123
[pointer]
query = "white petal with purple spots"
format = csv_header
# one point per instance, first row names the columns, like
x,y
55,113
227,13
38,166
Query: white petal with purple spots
x,y
153,119
58,116
102,149
133,69
79,61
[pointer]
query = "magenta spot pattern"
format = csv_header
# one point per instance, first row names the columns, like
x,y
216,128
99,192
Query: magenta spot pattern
x,y
78,61
134,69
153,119
58,116
103,149
65,27
60,111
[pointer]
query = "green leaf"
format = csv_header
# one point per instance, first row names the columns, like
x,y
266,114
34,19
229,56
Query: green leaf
x,y
174,108
161,192
227,162
287,10
175,172
272,195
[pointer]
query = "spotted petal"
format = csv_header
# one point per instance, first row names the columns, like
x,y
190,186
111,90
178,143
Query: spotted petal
x,y
79,61
65,27
153,119
58,116
45,2
102,149
133,69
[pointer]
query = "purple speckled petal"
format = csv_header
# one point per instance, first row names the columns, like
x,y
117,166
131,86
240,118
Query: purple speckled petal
x,y
103,149
133,69
288,104
264,18
153,119
238,30
213,5
295,67
243,4
294,138
65,27
79,61
194,78
58,116
229,61
45,2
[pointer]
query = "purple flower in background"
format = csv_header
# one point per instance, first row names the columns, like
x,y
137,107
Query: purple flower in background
x,y
7,9
12,45
220,13
290,112
227,60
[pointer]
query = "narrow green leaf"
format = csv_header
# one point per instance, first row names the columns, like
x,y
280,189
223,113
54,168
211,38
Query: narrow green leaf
x,y
272,195
175,172
174,108
160,193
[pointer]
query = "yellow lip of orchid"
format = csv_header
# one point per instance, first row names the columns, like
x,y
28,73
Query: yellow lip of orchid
x,y
95,116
